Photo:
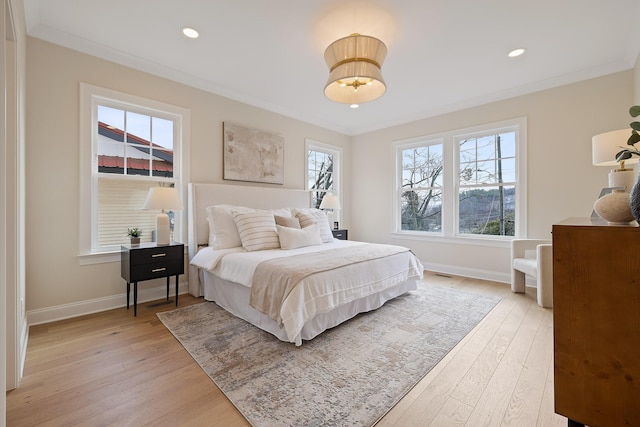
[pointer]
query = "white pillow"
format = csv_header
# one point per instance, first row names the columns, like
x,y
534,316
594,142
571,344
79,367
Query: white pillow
x,y
223,233
316,216
292,238
257,230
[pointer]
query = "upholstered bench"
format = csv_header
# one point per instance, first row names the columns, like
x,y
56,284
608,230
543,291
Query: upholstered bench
x,y
533,257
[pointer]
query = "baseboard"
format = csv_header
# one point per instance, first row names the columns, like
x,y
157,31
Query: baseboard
x,y
455,270
66,311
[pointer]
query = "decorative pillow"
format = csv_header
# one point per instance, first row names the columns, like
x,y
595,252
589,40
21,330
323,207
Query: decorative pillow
x,y
292,238
223,233
287,221
316,216
257,230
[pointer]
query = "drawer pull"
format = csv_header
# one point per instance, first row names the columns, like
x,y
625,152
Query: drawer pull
x,y
157,255
155,270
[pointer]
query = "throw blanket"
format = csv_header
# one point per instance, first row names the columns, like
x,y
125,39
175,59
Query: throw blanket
x,y
275,279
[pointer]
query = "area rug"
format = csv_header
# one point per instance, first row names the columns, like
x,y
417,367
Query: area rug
x,y
350,375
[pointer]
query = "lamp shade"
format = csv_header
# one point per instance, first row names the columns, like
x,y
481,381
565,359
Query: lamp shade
x,y
330,201
355,74
163,198
605,146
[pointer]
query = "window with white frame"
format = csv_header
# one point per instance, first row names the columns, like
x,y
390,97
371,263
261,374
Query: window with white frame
x,y
421,187
487,183
467,183
127,145
322,170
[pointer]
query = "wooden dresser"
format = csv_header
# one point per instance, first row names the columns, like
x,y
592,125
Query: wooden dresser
x,y
596,317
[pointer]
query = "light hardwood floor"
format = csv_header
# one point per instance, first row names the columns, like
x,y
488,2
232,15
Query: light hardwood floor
x,y
113,369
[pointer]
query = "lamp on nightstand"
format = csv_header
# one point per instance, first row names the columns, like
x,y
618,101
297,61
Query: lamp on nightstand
x,y
330,202
163,198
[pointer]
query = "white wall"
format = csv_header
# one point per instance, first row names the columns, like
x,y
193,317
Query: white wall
x,y
561,180
56,283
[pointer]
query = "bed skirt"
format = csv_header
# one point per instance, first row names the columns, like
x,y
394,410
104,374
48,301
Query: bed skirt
x,y
234,298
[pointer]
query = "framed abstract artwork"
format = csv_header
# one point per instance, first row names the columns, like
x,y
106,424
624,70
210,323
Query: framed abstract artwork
x,y
252,155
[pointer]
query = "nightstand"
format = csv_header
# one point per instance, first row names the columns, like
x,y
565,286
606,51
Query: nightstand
x,y
341,234
149,261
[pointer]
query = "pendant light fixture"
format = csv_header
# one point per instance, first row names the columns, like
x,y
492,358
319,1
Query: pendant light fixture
x,y
354,69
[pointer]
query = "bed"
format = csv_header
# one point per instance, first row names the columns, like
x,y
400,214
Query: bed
x,y
320,281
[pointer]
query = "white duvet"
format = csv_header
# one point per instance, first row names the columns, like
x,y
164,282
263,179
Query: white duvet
x,y
311,297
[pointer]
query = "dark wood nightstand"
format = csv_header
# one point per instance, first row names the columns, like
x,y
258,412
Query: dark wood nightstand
x,y
341,234
149,261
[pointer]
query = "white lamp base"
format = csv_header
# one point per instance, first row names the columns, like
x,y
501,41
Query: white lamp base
x,y
622,178
330,218
163,230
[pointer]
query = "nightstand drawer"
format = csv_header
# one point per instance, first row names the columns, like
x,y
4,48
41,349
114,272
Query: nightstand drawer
x,y
341,234
140,272
156,254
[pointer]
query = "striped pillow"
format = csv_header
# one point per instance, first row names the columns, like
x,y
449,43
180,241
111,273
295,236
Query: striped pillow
x,y
314,216
223,232
257,230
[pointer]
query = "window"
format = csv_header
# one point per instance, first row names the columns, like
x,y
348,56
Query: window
x,y
487,184
322,171
467,183
128,144
421,188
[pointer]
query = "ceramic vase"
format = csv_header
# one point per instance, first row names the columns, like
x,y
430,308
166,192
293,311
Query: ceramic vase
x,y
135,240
615,207
634,200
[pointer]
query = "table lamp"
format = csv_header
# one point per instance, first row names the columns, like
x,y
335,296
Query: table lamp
x,y
331,202
163,198
604,148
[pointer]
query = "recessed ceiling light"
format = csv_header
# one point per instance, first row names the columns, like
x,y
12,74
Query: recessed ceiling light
x,y
516,52
354,106
190,32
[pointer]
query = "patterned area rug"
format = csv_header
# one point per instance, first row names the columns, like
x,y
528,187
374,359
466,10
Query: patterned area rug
x,y
351,375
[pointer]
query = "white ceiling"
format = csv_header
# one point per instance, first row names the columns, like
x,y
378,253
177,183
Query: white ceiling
x,y
443,55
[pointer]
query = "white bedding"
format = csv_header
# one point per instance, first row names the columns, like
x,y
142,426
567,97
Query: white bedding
x,y
310,297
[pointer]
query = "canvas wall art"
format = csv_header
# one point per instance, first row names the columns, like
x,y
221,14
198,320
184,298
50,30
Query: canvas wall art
x,y
252,155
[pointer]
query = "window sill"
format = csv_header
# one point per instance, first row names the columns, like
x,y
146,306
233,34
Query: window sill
x,y
99,257
500,242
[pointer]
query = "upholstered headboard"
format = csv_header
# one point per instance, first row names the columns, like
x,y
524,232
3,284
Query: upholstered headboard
x,y
201,196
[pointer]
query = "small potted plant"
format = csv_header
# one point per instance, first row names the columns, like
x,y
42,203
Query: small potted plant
x,y
134,234
626,154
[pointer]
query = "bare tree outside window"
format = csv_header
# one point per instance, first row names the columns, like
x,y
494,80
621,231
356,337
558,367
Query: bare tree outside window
x,y
421,191
320,175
